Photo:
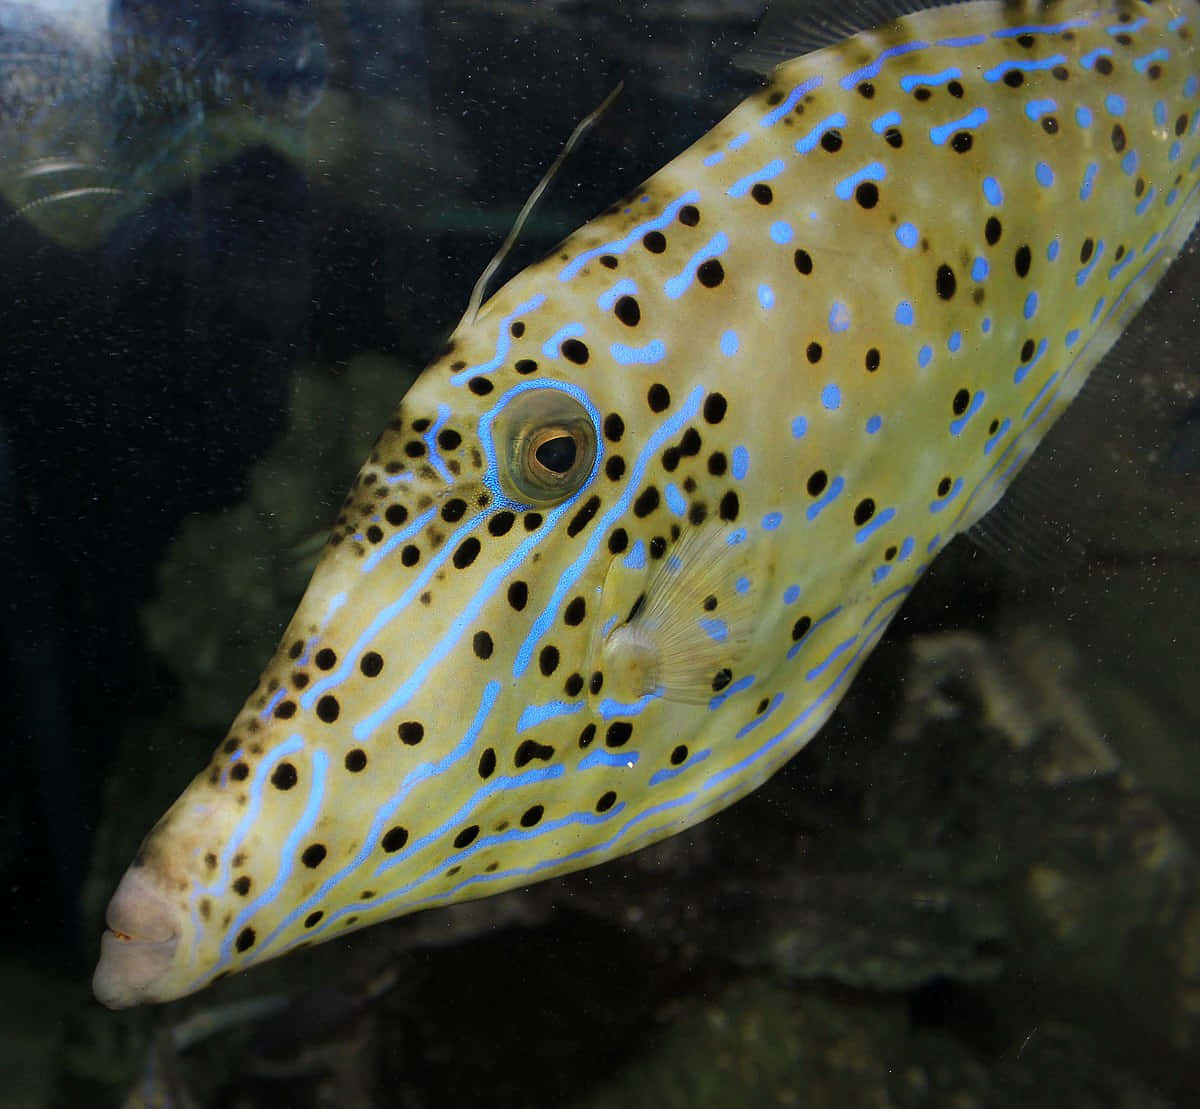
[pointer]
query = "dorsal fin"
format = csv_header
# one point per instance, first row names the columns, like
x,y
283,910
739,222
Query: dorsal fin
x,y
789,30
489,271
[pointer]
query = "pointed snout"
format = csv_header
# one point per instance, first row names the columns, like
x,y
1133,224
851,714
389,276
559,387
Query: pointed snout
x,y
138,950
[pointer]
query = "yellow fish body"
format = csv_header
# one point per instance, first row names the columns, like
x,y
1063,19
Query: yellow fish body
x,y
624,545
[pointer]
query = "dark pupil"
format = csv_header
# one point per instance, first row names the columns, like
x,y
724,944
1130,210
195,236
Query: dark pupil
x,y
557,454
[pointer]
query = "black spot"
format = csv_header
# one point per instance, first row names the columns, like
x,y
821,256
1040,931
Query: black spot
x,y
573,686
1025,41
371,664
711,273
1085,251
832,141
596,681
355,760
1181,125
922,94
480,386
946,283
1124,40
453,509
245,939
1022,260
1104,66
525,366
328,708
955,89
991,231
608,261
575,611
531,816
618,541
583,517
531,521
284,776
800,628
411,555
241,886
817,481
575,351
1050,125
658,397
618,734
627,311
866,90
501,523
872,360
396,514
721,679
420,425
240,772
717,463
481,643
448,439
487,763
944,486
961,142
1154,72
867,194
325,659
1120,253
1027,349
467,552
394,839
529,750
606,801
729,507
813,353
689,215
863,511
285,710
1059,73
466,837
714,408
1118,138
614,427
516,329
297,648
548,659
374,533
646,502
411,732
803,262
689,443
518,595
893,138
654,241
762,193
1014,78
587,735
709,603
961,400
415,449
313,855
313,919
679,755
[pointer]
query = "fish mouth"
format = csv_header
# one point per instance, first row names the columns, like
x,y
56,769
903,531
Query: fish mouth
x,y
72,202
137,951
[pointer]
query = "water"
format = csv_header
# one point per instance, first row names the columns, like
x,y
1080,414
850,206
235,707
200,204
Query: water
x,y
979,880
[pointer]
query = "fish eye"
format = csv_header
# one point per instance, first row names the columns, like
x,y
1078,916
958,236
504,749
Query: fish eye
x,y
548,443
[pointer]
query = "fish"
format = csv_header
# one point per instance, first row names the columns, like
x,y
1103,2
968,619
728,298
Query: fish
x,y
625,543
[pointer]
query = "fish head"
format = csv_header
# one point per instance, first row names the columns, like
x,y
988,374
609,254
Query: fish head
x,y
500,647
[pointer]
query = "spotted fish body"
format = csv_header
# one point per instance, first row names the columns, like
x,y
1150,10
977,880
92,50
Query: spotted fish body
x,y
626,542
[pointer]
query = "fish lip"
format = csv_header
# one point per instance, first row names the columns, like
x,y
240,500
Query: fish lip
x,y
139,948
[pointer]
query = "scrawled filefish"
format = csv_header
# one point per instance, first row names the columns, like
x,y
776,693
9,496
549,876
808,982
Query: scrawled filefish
x,y
626,542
